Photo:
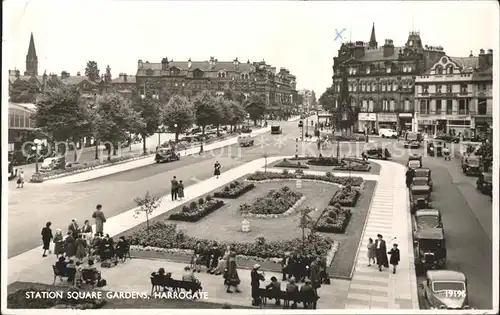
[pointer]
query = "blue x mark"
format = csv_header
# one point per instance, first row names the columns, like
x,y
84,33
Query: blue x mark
x,y
338,35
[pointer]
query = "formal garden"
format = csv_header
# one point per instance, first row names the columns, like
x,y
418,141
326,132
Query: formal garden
x,y
264,215
328,163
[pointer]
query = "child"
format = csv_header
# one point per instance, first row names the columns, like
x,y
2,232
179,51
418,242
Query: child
x,y
180,190
394,252
20,179
78,274
371,252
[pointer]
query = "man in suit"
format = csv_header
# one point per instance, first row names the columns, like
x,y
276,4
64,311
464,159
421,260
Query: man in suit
x,y
213,259
381,253
74,229
285,266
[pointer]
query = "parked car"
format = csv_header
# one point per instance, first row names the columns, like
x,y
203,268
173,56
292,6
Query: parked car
x,y
427,219
485,183
471,165
53,163
413,136
435,148
245,141
412,144
376,153
166,155
246,129
387,133
445,289
416,156
414,164
448,138
430,249
424,173
276,130
420,197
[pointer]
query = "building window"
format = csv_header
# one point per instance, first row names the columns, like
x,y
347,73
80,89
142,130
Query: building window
x,y
350,87
374,87
439,70
388,70
425,89
449,69
463,107
370,105
364,105
483,87
385,105
363,87
463,88
383,86
449,107
482,108
449,88
369,87
368,70
438,88
392,105
407,106
438,107
424,107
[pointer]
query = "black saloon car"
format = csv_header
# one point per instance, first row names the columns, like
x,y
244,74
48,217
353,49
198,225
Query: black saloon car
x,y
166,155
471,165
376,153
485,183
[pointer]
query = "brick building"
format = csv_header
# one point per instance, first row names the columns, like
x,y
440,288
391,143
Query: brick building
x,y
191,77
381,79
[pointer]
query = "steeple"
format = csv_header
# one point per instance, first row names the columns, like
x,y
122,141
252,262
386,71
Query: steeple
x,y
31,59
373,40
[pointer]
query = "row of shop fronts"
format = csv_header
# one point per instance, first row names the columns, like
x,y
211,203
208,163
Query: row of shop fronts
x,y
375,121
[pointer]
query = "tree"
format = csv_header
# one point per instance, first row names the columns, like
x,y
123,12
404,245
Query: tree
x,y
178,115
238,112
115,119
305,222
225,112
207,110
63,114
21,91
146,205
234,96
486,153
327,99
255,107
148,109
92,70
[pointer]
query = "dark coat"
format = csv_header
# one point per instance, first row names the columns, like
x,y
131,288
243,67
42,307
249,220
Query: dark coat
x,y
394,252
315,275
74,229
381,253
70,246
256,278
217,167
46,237
100,219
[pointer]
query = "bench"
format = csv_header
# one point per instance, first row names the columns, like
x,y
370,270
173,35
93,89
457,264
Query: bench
x,y
307,299
158,284
90,277
58,274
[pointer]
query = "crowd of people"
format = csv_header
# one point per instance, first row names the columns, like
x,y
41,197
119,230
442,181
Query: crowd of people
x,y
377,253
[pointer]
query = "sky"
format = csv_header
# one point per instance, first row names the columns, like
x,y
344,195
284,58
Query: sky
x,y
300,36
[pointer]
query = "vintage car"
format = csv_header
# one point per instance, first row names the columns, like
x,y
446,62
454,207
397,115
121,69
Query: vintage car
x,y
485,183
413,136
245,141
276,130
435,148
471,165
376,153
414,164
423,173
53,163
448,138
166,155
246,129
427,219
430,249
420,197
445,289
412,144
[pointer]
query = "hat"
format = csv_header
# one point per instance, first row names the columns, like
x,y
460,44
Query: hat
x,y
308,281
379,235
291,280
256,266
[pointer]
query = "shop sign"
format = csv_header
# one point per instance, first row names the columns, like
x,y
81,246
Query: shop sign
x,y
405,115
457,117
426,122
367,116
387,117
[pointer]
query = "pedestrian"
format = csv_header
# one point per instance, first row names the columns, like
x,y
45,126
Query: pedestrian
x,y
315,277
285,266
74,229
217,167
174,185
69,245
58,243
87,231
20,179
371,252
46,238
394,252
180,190
409,176
231,278
81,248
100,219
381,253
256,278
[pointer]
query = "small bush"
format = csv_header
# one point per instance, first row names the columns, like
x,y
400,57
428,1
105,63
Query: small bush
x,y
185,209
193,206
209,198
201,201
232,185
227,188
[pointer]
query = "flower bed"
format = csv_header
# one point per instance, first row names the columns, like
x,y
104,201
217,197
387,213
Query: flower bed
x,y
197,210
169,238
19,300
234,190
275,202
245,210
347,197
355,160
324,161
328,177
353,167
288,164
333,220
349,138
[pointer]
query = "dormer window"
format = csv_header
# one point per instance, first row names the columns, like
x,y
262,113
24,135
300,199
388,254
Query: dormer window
x,y
449,69
439,70
221,74
197,73
244,76
149,72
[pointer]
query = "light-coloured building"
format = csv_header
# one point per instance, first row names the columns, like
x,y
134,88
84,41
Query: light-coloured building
x,y
455,96
308,98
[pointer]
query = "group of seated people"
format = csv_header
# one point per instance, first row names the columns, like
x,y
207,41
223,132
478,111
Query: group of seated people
x,y
298,267
305,294
106,249
77,273
165,280
211,258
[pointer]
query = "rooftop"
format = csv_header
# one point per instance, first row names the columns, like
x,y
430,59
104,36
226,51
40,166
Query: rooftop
x,y
431,234
204,66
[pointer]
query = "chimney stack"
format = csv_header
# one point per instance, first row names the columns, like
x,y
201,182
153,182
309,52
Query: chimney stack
x,y
483,60
236,63
490,57
190,64
388,48
212,62
124,77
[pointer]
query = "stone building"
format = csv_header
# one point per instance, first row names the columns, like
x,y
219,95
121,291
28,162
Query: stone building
x,y
191,77
308,101
455,95
125,84
381,78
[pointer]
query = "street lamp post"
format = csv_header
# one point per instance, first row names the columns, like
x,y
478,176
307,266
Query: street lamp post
x,y
176,132
296,148
35,148
265,162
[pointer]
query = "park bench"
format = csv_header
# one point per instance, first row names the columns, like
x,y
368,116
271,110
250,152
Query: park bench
x,y
306,300
159,284
58,274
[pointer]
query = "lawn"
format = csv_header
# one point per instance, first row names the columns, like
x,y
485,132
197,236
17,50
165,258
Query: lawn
x,y
224,224
375,168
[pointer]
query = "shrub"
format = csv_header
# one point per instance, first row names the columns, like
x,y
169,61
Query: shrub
x,y
185,208
227,188
201,201
287,163
341,180
209,198
324,161
232,185
347,196
274,202
333,220
236,191
236,183
193,206
199,212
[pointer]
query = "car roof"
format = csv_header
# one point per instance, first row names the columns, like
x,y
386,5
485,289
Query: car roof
x,y
275,126
431,234
423,212
445,275
414,161
423,169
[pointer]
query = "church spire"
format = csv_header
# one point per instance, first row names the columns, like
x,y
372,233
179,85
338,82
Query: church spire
x,y
373,39
31,59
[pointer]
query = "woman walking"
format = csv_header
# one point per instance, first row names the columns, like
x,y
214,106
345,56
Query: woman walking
x,y
231,278
100,219
180,190
46,238
217,167
20,179
69,245
394,260
371,252
81,248
58,243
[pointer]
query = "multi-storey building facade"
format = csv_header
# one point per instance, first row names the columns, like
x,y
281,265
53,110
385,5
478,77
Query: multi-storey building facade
x,y
307,100
191,77
455,95
125,84
381,79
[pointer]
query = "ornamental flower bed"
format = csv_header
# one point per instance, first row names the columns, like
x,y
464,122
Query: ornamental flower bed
x,y
333,219
324,161
288,164
234,190
328,177
353,167
275,202
168,237
19,300
347,197
197,210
